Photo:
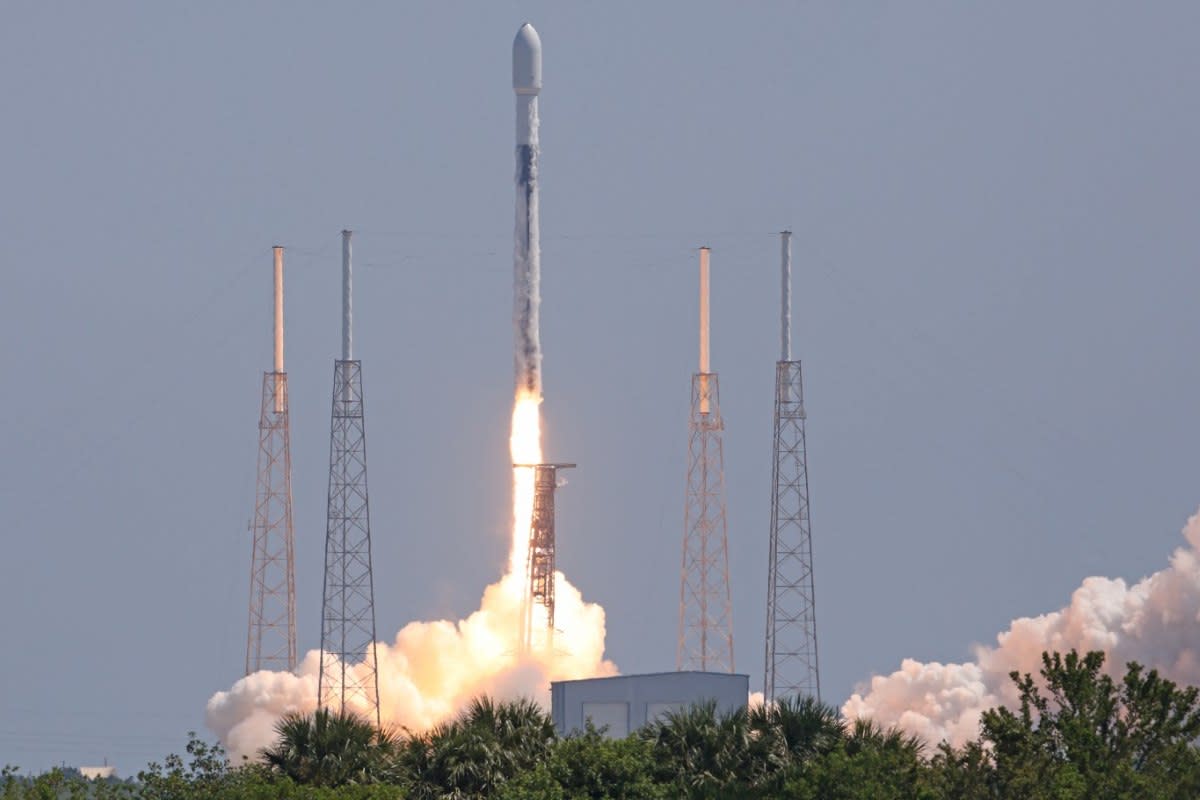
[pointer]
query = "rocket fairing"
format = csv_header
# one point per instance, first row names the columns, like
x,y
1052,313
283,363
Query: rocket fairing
x,y
527,82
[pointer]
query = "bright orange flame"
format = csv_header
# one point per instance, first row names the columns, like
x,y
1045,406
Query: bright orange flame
x,y
431,669
525,445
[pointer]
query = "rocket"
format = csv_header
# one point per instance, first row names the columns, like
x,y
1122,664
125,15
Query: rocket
x,y
527,83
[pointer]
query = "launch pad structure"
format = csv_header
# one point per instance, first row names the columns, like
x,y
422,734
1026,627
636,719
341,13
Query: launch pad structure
x,y
790,663
705,613
271,633
349,678
541,555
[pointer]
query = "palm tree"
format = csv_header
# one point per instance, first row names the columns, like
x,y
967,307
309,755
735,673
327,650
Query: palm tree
x,y
867,735
791,732
701,750
329,749
476,753
521,726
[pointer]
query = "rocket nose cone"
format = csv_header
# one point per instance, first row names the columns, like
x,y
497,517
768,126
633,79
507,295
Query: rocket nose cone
x,y
527,61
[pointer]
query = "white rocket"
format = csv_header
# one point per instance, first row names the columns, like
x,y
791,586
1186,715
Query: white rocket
x,y
527,82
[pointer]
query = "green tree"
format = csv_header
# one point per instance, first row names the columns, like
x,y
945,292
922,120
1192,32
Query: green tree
x,y
790,732
476,754
590,765
11,783
205,775
330,749
962,774
1084,735
867,763
701,752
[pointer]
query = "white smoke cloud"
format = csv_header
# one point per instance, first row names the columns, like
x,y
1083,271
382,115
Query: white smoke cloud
x,y
431,669
1155,622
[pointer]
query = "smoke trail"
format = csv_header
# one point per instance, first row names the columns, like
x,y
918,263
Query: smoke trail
x,y
1155,622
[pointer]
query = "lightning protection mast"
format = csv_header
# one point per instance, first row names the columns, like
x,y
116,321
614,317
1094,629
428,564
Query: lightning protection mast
x,y
349,679
271,637
791,652
705,618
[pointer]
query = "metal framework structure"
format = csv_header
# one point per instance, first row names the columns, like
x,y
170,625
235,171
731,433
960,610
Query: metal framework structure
x,y
705,609
349,678
271,634
540,558
790,664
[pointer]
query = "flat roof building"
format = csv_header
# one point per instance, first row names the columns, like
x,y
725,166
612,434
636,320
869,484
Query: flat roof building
x,y
624,703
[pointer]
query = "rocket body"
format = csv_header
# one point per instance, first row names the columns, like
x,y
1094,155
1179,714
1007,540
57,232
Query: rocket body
x,y
527,83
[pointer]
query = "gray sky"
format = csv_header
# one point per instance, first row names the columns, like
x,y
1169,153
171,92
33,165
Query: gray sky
x,y
995,275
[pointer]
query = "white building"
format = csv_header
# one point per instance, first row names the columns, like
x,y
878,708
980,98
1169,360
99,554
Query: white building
x,y
625,703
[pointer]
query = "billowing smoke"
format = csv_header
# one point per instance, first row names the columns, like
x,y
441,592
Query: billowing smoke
x,y
431,669
1155,622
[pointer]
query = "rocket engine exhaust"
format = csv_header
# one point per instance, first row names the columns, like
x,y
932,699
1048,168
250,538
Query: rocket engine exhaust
x,y
431,669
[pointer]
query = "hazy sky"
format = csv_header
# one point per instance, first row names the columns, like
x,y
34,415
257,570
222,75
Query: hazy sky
x,y
996,260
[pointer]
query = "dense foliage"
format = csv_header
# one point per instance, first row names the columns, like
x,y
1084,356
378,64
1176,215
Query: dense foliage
x,y
327,749
1076,734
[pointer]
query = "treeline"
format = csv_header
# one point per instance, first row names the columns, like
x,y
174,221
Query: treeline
x,y
1076,735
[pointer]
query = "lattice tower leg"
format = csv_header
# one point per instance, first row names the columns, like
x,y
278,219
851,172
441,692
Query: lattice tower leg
x,y
541,559
271,637
705,618
349,679
791,642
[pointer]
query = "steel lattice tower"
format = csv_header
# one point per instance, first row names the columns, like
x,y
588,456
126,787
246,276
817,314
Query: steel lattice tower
x,y
540,558
349,677
271,637
790,665
705,616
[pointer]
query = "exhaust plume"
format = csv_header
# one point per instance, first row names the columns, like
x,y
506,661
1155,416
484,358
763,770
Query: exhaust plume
x,y
1155,622
432,669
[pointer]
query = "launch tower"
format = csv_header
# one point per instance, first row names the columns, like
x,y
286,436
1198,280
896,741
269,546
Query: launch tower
x,y
791,652
349,678
271,637
539,567
705,617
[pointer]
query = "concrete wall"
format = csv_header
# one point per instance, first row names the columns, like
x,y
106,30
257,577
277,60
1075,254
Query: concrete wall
x,y
627,702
